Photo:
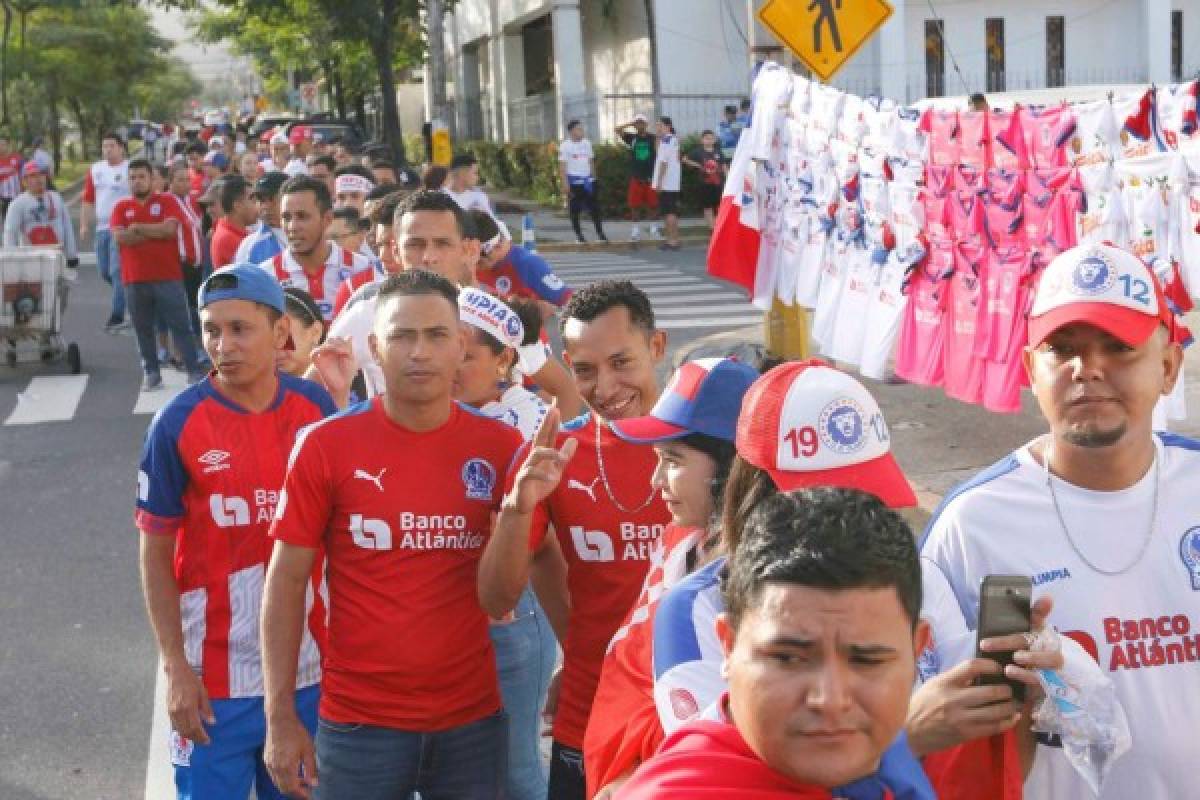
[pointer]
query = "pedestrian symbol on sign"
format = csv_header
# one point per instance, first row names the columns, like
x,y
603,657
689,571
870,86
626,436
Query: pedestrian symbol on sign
x,y
825,17
824,34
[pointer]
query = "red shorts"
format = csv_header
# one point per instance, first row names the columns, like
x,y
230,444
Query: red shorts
x,y
641,195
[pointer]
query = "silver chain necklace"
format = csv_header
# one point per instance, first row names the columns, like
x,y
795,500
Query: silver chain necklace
x,y
1141,553
608,489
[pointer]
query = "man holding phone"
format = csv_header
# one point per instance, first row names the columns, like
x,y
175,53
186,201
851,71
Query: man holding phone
x,y
1100,513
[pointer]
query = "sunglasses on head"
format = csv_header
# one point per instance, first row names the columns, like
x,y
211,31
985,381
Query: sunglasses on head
x,y
222,281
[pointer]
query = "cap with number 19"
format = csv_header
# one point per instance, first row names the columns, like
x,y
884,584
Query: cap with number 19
x,y
807,424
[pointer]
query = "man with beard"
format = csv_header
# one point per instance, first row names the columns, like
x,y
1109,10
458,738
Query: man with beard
x,y
311,261
1101,512
604,511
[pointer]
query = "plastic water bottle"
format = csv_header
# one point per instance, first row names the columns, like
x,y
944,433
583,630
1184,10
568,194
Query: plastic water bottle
x,y
528,237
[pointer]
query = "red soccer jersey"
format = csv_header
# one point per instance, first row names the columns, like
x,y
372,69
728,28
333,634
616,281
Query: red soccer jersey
x,y
623,729
323,285
10,176
210,477
225,240
352,284
153,259
197,183
607,552
403,518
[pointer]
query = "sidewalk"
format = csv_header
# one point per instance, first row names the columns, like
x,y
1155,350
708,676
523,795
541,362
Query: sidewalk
x,y
552,227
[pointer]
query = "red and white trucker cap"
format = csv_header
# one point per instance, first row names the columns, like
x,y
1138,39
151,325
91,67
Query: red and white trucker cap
x,y
807,424
1103,286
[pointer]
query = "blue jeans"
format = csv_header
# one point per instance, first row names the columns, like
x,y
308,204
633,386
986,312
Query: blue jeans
x,y
232,763
525,656
364,762
149,299
108,264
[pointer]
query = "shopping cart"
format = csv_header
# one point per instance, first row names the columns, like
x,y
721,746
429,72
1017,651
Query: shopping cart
x,y
33,299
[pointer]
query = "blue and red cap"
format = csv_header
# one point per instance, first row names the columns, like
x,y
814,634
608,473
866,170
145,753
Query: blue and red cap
x,y
703,396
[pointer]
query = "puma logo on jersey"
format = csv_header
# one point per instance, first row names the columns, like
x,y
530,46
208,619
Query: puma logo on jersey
x,y
587,488
362,474
592,545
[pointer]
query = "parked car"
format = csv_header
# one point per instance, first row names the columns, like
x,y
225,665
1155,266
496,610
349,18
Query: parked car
x,y
330,129
264,123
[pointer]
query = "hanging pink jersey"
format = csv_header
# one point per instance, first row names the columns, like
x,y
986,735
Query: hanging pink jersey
x,y
1003,207
939,188
1047,131
967,219
1007,139
943,131
1002,327
963,371
975,145
1134,115
1051,198
920,351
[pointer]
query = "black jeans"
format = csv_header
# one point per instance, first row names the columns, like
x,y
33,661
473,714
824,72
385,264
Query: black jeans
x,y
567,781
583,200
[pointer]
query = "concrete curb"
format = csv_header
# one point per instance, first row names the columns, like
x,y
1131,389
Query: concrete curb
x,y
613,246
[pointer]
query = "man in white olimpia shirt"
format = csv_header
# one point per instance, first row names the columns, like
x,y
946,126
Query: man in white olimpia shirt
x,y
1101,512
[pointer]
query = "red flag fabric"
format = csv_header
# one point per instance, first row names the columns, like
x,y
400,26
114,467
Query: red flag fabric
x,y
981,769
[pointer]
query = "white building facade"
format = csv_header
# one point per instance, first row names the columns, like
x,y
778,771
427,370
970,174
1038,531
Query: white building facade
x,y
519,69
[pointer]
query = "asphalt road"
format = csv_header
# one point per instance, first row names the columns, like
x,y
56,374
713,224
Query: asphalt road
x,y
77,660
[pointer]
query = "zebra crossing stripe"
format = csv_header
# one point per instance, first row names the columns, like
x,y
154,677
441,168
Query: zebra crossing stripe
x,y
48,398
151,402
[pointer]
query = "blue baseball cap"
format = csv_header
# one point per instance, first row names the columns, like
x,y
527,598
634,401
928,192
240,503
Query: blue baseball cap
x,y
242,282
703,396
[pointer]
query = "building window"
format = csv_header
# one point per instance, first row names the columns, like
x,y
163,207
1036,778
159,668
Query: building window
x,y
1056,57
935,59
995,54
1176,46
538,40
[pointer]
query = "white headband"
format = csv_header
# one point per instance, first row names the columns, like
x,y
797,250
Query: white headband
x,y
481,310
352,183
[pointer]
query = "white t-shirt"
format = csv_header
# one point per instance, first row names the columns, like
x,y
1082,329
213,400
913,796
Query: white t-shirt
x,y
577,156
296,167
518,407
1002,522
667,153
354,325
108,184
886,307
471,200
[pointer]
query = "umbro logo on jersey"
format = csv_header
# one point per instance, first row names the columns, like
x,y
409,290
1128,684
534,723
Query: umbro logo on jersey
x,y
363,475
214,461
592,545
588,489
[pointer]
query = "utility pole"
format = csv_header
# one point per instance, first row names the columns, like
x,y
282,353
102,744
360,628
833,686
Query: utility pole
x,y
763,45
434,19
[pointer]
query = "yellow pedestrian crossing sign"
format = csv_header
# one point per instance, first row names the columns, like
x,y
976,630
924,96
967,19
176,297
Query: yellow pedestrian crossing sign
x,y
824,34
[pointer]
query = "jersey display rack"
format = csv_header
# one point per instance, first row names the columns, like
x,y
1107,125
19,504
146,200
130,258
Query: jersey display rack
x,y
939,222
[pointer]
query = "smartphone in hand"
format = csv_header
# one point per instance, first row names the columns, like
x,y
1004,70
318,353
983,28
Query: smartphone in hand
x,y
1004,609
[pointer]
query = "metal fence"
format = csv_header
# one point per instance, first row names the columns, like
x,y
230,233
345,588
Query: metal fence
x,y
533,118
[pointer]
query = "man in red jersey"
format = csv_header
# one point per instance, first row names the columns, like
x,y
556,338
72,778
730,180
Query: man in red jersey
x,y
146,227
241,211
211,470
605,512
399,493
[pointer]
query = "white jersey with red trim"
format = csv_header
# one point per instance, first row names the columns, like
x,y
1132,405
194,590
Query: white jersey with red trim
x,y
1175,117
1097,134
104,185
339,266
1141,625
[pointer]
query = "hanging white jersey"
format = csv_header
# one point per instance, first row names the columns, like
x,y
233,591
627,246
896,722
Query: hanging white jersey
x,y
1102,218
1141,625
1134,116
906,212
793,238
801,98
339,265
885,309
772,94
518,407
847,327
852,124
1152,188
908,139
1189,227
1097,135
824,112
845,248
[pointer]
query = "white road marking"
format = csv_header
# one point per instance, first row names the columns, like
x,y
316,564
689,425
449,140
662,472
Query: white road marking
x,y
174,382
48,398
661,310
620,272
160,777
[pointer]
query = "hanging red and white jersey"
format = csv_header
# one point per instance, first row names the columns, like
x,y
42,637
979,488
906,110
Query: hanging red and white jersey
x,y
1177,124
1134,115
733,249
339,265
